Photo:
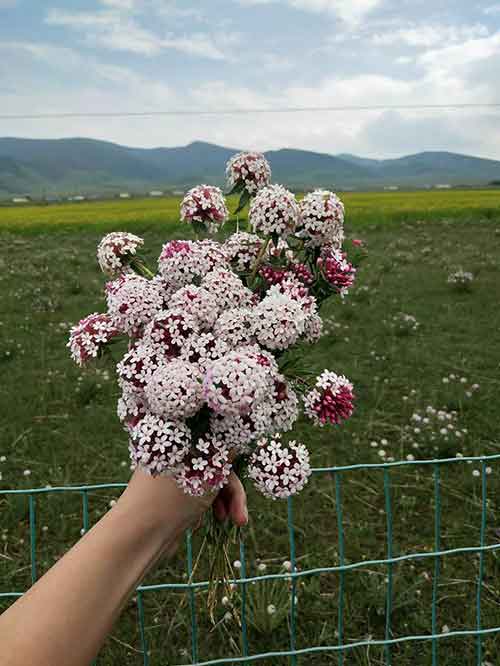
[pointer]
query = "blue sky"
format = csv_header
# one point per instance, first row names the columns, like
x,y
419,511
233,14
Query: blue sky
x,y
135,55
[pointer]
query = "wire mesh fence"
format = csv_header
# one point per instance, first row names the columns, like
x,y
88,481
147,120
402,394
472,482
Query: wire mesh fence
x,y
339,651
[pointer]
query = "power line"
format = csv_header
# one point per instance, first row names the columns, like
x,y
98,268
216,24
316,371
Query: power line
x,y
230,112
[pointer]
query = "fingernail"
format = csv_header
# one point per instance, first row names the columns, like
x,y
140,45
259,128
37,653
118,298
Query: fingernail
x,y
245,513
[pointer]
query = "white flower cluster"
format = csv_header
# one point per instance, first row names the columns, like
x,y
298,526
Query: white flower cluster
x,y
198,303
228,289
207,353
205,468
279,321
201,380
274,211
249,170
159,445
461,279
404,324
132,302
115,250
434,430
322,219
238,381
241,250
279,470
182,262
174,390
205,204
89,336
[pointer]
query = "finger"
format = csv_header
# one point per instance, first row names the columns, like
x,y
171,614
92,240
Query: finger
x,y
237,502
220,510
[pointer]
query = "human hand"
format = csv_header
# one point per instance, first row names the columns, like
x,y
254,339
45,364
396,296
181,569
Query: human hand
x,y
166,508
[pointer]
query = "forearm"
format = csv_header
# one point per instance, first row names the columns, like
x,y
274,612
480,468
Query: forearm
x,y
64,619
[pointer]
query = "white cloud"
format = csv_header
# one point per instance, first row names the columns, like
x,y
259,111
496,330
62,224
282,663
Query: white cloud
x,y
453,64
429,35
449,58
113,31
350,11
120,4
493,9
63,57
103,87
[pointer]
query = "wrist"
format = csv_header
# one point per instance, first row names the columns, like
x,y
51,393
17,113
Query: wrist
x,y
160,507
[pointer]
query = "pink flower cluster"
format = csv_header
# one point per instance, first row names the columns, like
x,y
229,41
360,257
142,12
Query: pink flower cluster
x,y
331,400
338,272
204,378
204,204
89,336
251,171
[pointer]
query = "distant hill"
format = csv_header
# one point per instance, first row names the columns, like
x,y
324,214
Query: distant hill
x,y
51,166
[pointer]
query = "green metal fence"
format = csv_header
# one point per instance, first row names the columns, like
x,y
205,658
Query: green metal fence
x,y
340,650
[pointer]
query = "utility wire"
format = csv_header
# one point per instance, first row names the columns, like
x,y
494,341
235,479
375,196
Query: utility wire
x,y
230,112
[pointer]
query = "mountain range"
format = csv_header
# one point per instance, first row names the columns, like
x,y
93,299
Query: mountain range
x,y
43,167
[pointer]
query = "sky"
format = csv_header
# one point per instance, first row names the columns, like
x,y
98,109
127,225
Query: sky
x,y
153,55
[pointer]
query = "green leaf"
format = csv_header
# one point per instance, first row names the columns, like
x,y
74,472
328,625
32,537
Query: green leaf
x,y
237,188
244,199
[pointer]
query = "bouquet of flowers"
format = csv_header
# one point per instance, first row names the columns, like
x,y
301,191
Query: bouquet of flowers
x,y
212,375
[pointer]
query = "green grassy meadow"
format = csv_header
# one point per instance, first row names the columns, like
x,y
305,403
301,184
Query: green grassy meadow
x,y
362,207
58,426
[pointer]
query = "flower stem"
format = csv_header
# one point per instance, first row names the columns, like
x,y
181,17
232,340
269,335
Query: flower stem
x,y
258,261
139,266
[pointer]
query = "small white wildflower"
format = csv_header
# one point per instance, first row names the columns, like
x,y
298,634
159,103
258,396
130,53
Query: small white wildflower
x,y
476,472
237,564
488,470
224,601
27,472
271,609
287,565
262,566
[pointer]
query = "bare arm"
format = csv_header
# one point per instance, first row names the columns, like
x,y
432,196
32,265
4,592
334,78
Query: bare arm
x,y
65,617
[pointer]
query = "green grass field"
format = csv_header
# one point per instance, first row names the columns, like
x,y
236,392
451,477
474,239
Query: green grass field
x,y
58,423
146,213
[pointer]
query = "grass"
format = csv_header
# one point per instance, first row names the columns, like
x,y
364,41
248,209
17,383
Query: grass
x,y
59,423
148,213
